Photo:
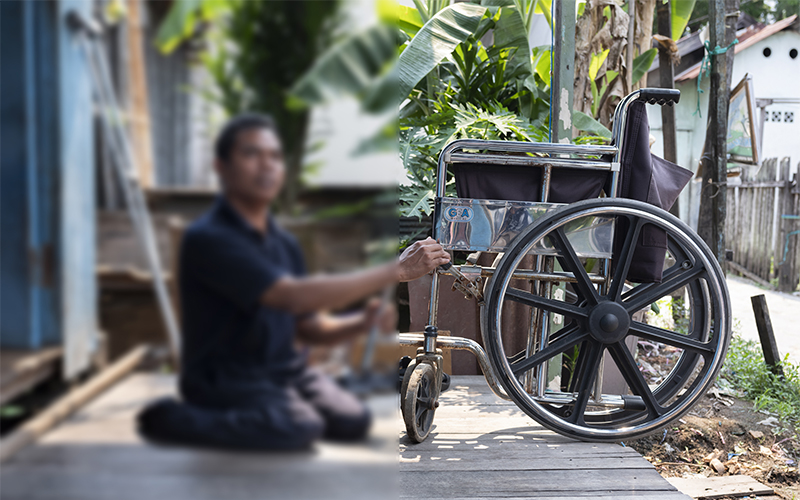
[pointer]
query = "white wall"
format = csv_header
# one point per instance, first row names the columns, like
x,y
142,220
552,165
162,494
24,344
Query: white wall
x,y
341,126
777,76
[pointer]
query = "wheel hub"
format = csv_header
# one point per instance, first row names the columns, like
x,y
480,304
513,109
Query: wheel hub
x,y
609,322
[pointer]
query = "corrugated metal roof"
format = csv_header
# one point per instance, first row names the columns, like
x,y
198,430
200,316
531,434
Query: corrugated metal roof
x,y
745,40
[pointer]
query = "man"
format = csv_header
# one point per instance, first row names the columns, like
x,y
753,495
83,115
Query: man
x,y
245,298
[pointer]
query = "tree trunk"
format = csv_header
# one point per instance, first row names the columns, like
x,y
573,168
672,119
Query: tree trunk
x,y
713,197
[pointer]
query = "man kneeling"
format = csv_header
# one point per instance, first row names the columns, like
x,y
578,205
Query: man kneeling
x,y
245,297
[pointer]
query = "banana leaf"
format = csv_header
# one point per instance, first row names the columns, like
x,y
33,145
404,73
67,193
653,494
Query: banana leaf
x,y
681,11
586,123
642,63
349,67
435,41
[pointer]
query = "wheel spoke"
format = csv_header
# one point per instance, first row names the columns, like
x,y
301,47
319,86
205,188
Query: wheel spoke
x,y
592,354
556,306
637,300
420,412
673,339
630,372
570,262
623,261
562,344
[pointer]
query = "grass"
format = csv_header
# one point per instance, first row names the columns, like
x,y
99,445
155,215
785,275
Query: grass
x,y
746,371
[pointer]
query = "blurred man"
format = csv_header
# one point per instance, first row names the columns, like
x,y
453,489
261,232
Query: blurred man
x,y
245,298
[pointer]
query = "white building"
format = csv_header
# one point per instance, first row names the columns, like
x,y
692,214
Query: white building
x,y
771,56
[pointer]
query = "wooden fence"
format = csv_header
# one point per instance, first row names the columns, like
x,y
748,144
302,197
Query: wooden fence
x,y
763,225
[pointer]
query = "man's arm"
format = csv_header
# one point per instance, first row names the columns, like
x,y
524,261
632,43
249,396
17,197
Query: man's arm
x,y
316,293
329,329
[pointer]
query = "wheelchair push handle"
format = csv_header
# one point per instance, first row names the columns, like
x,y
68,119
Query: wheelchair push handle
x,y
660,96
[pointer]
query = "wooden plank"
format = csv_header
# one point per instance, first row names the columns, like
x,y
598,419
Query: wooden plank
x,y
520,461
20,370
787,281
744,272
661,495
765,333
539,444
719,487
346,482
765,184
139,107
34,428
533,484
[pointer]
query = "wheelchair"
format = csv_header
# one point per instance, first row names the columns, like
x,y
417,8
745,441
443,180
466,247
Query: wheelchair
x,y
579,289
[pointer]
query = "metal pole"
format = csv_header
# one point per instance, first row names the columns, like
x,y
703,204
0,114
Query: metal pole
x,y
630,46
125,162
667,81
562,83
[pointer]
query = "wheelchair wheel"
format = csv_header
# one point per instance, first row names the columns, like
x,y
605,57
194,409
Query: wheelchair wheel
x,y
419,400
600,319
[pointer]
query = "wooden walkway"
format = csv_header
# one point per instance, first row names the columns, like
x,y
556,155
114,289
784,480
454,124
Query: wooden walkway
x,y
97,455
484,447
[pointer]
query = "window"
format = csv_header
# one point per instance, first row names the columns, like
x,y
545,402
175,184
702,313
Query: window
x,y
793,53
788,117
767,52
776,116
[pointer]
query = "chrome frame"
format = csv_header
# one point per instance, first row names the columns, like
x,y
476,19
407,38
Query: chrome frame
x,y
558,156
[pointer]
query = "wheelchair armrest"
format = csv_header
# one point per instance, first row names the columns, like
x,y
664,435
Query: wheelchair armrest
x,y
660,96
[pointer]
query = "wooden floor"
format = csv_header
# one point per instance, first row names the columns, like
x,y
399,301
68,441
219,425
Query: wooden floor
x,y
482,447
97,455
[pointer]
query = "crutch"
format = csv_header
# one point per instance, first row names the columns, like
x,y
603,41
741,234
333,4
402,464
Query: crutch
x,y
88,32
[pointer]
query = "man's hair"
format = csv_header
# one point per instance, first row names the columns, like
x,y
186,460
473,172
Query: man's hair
x,y
226,140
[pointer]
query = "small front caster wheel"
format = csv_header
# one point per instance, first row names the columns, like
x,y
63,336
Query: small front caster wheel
x,y
419,400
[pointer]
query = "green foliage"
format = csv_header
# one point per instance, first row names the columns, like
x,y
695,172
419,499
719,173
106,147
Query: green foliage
x,y
746,370
642,63
582,121
680,13
183,19
259,50
450,82
761,10
350,67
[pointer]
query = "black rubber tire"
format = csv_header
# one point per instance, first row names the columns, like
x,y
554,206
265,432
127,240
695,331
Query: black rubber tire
x,y
418,401
708,344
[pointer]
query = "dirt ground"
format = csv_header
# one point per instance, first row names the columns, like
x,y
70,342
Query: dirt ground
x,y
729,430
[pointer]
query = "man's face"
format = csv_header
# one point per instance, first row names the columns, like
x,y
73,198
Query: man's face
x,y
255,169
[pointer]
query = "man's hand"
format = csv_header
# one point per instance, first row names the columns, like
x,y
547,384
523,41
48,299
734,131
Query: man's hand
x,y
384,316
421,258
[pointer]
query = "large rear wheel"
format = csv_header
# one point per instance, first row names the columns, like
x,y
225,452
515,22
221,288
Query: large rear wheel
x,y
667,360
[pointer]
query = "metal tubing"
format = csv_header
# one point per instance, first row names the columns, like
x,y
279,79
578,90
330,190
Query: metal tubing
x,y
533,275
547,172
464,344
579,163
513,146
433,309
134,197
543,334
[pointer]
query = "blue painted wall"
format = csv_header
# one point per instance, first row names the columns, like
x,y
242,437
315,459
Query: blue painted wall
x,y
47,202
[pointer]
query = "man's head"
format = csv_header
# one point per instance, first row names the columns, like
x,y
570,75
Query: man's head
x,y
249,159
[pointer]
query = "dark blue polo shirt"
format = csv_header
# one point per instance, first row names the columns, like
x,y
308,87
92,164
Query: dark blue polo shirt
x,y
234,347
